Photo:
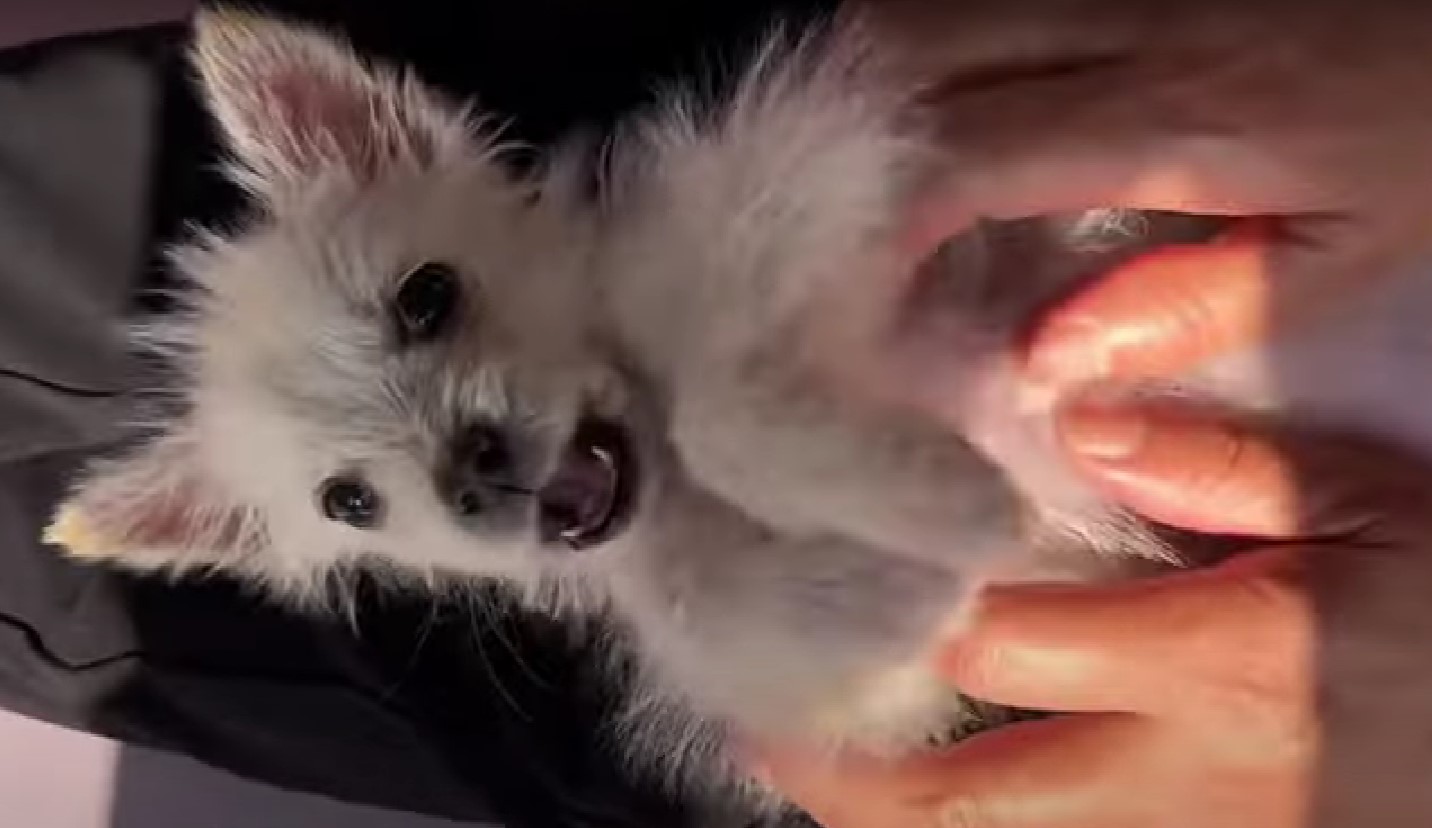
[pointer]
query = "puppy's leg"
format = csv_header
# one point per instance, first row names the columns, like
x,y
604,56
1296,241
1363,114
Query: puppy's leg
x,y
783,448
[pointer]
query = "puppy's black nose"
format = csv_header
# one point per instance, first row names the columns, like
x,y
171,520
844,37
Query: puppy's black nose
x,y
482,450
479,470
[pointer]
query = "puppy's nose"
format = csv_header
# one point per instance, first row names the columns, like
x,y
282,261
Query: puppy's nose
x,y
482,450
479,470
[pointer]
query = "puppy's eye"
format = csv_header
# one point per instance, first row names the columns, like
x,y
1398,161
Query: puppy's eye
x,y
426,301
351,501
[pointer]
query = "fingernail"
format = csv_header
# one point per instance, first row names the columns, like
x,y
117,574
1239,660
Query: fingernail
x,y
1069,352
1103,433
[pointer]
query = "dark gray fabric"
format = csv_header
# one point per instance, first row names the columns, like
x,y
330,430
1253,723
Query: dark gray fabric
x,y
26,21
74,176
78,132
74,168
64,630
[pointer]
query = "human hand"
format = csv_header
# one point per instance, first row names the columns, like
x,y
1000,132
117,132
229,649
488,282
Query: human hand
x,y
1313,114
1254,694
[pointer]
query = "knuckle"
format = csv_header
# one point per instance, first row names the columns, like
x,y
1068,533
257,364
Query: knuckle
x,y
1267,730
1302,741
1220,469
1277,600
964,812
1351,488
1404,499
1376,507
1265,674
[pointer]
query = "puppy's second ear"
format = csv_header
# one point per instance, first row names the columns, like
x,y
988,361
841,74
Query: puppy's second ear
x,y
154,510
294,104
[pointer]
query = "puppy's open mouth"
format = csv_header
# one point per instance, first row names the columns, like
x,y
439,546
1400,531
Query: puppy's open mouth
x,y
589,497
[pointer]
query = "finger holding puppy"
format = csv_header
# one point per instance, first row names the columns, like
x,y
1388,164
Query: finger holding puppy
x,y
1192,699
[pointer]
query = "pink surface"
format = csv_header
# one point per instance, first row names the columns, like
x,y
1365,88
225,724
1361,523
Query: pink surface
x,y
56,778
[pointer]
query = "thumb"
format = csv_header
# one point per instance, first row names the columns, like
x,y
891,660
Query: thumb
x,y
1185,469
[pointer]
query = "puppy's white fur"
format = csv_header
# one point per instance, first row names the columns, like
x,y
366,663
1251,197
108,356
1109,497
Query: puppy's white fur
x,y
803,531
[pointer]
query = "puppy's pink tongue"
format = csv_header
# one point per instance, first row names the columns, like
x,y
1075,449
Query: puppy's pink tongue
x,y
580,495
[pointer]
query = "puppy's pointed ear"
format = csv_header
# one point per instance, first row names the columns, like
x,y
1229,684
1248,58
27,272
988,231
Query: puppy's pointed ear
x,y
155,510
294,103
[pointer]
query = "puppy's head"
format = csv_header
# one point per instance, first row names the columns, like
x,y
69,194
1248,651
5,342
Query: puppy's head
x,y
389,362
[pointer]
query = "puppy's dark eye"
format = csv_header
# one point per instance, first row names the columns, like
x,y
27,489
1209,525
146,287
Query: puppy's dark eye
x,y
351,501
426,301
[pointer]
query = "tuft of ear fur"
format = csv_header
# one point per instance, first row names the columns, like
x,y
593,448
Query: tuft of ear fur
x,y
295,103
154,510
